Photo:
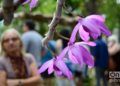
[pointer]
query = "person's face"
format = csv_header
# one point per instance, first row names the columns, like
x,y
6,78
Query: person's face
x,y
11,42
25,28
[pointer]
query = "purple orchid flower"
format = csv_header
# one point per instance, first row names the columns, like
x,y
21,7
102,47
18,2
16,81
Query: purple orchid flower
x,y
78,54
58,66
92,25
32,3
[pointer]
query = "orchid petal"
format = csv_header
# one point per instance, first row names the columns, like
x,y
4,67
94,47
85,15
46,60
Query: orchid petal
x,y
57,71
103,28
72,57
87,57
74,32
45,66
86,43
51,69
97,17
83,34
62,66
63,53
91,26
100,25
77,53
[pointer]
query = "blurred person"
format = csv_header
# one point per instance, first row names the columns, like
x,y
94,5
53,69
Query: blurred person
x,y
114,61
16,67
100,53
114,67
114,50
32,40
113,45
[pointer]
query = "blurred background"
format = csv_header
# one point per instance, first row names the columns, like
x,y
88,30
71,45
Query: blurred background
x,y
42,15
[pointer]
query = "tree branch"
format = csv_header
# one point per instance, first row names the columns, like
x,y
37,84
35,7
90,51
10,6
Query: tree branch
x,y
61,36
54,22
8,9
65,20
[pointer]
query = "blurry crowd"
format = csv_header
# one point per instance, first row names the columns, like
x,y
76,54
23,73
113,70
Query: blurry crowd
x,y
22,55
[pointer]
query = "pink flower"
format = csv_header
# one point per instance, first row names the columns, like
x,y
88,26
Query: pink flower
x,y
58,66
32,3
78,54
91,26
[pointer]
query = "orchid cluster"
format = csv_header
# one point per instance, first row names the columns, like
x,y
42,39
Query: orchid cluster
x,y
90,26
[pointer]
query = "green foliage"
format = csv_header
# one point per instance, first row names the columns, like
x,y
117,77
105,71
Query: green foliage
x,y
46,6
107,7
111,10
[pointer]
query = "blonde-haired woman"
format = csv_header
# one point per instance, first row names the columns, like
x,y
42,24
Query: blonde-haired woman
x,y
16,67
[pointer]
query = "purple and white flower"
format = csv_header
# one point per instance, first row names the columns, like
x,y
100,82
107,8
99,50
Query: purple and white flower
x,y
90,26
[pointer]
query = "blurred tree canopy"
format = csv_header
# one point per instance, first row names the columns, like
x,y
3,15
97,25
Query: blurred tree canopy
x,y
72,8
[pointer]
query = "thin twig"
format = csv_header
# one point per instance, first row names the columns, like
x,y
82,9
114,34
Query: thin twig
x,y
39,17
54,22
61,36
